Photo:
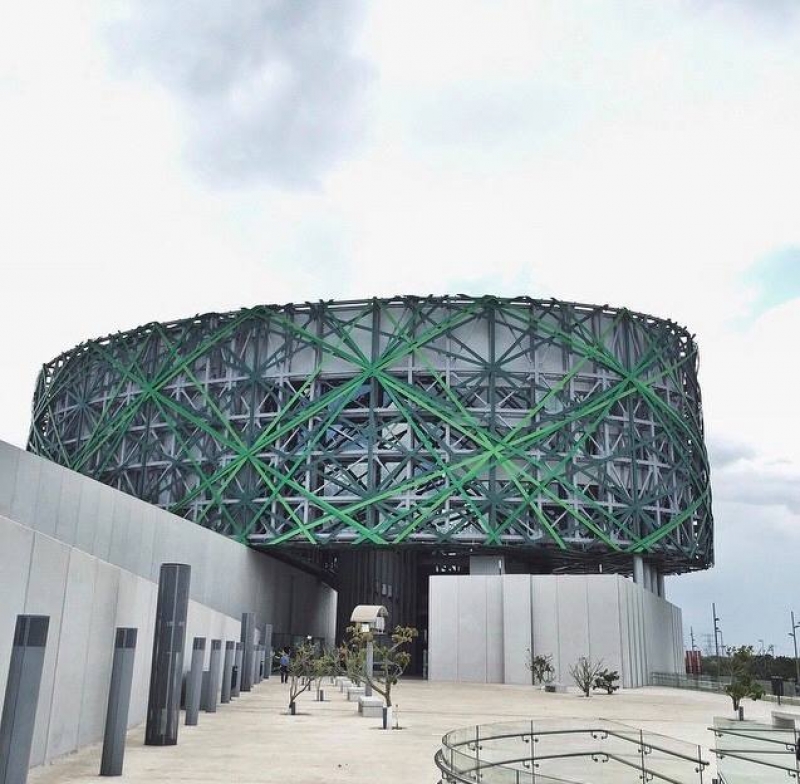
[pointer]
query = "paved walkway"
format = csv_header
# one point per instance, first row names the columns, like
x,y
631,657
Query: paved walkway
x,y
254,740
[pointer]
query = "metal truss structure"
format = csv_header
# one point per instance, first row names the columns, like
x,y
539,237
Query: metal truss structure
x,y
568,430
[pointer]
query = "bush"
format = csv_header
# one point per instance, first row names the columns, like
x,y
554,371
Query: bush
x,y
541,667
606,679
584,672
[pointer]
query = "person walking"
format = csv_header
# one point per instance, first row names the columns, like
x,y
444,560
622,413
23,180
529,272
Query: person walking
x,y
284,662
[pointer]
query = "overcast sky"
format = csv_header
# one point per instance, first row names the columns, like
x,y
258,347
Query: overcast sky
x,y
161,159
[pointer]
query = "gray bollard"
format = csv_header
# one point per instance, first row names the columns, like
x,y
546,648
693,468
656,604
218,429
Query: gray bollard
x,y
227,669
166,672
206,689
236,677
254,664
215,662
246,671
257,665
22,697
194,681
119,700
268,650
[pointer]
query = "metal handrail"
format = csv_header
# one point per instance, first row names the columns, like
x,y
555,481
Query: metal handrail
x,y
477,742
747,755
587,730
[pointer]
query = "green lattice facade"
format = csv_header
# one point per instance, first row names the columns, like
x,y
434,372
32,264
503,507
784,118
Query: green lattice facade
x,y
532,426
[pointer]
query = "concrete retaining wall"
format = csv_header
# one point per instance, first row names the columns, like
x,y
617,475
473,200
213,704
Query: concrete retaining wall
x,y
480,627
89,557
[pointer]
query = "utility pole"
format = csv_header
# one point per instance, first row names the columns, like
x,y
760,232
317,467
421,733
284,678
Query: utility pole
x,y
717,631
691,636
793,635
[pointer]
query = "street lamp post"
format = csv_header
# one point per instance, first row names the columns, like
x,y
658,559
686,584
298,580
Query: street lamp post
x,y
717,631
793,635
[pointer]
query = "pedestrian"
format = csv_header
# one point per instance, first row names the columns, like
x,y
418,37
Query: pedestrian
x,y
284,662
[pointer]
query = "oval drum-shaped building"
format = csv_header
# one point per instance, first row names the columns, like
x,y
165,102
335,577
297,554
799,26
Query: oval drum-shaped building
x,y
410,430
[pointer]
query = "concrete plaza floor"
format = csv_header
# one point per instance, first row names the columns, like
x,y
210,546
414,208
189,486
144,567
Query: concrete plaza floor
x,y
254,739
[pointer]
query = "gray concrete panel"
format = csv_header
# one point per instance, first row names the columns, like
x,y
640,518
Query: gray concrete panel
x,y
625,642
495,640
123,549
472,629
87,515
68,509
106,498
143,528
26,486
573,621
443,613
545,624
516,633
15,564
97,672
46,503
9,457
73,644
46,588
603,621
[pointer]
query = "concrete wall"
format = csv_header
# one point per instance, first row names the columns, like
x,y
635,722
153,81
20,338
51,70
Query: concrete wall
x,y
89,557
480,627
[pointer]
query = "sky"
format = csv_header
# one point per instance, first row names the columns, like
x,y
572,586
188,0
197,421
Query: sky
x,y
161,159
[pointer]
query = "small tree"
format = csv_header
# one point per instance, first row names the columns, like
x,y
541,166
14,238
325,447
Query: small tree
x,y
742,682
606,679
352,659
301,673
391,658
584,672
324,666
541,667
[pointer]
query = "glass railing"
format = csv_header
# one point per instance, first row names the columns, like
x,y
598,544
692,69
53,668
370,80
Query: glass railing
x,y
749,751
548,752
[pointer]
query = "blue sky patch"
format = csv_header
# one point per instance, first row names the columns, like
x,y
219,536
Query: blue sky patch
x,y
776,279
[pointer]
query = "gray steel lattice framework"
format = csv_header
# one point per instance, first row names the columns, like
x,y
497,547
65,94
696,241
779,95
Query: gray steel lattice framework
x,y
535,425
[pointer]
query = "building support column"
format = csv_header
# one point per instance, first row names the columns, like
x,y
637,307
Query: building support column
x,y
638,571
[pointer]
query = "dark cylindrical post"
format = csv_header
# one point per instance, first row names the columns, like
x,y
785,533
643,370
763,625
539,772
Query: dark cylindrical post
x,y
246,672
166,672
22,697
119,700
194,681
227,670
214,665
236,677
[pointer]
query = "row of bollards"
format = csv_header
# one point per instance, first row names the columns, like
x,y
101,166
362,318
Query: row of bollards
x,y
243,665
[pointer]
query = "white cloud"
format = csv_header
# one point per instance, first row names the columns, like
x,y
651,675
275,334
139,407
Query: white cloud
x,y
615,153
